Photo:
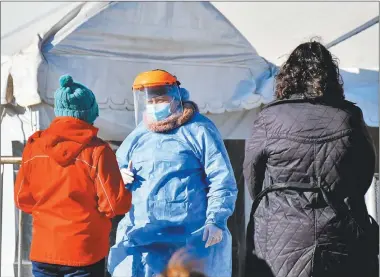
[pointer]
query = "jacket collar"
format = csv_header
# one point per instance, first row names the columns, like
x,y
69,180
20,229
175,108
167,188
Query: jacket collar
x,y
301,98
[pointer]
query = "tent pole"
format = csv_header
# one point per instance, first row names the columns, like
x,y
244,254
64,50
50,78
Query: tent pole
x,y
354,32
1,211
19,244
10,160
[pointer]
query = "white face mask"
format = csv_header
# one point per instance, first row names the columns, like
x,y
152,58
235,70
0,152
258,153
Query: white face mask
x,y
158,111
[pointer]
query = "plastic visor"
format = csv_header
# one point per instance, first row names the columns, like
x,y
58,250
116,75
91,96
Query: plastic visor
x,y
156,95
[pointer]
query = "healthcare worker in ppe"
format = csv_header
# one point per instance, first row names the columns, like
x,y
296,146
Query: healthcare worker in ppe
x,y
182,183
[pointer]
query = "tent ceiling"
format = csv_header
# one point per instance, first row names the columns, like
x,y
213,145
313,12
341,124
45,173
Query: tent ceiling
x,y
360,51
291,23
20,22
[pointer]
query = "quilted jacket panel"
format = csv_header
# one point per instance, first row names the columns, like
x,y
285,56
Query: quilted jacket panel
x,y
301,232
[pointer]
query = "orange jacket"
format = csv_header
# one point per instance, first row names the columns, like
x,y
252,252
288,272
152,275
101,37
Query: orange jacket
x,y
70,182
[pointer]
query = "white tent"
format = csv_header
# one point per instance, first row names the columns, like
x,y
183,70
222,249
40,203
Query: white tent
x,y
211,58
217,50
194,40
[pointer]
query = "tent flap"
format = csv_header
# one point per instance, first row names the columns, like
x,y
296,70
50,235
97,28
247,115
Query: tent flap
x,y
6,85
25,74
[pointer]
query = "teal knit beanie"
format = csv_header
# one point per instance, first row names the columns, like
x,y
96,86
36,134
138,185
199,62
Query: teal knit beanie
x,y
74,99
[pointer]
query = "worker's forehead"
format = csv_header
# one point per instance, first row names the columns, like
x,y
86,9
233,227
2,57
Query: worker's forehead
x,y
165,98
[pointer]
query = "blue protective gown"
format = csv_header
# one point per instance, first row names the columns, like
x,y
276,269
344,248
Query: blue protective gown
x,y
183,180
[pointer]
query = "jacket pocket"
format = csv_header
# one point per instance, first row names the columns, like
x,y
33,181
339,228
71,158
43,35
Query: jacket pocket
x,y
170,211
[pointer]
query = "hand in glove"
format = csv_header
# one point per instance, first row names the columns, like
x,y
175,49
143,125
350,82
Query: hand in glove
x,y
212,234
127,174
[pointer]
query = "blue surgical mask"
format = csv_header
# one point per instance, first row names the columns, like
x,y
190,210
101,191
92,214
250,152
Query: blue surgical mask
x,y
158,111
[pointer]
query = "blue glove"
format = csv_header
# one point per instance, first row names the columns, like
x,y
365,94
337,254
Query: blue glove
x,y
212,234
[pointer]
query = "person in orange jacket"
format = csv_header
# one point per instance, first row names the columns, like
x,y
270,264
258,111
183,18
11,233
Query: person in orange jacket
x,y
70,182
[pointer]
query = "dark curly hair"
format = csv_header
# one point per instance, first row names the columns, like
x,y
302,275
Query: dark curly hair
x,y
310,71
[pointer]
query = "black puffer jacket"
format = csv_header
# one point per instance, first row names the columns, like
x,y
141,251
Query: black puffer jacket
x,y
308,165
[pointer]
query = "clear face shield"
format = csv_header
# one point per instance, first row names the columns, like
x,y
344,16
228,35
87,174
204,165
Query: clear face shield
x,y
156,103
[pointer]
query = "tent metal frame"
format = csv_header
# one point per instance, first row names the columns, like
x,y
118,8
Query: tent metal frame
x,y
11,160
353,32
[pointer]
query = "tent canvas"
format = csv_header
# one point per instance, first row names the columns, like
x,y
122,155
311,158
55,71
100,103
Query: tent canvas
x,y
193,40
36,69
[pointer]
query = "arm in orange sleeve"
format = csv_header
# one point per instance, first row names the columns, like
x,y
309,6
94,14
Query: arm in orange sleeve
x,y
22,195
113,198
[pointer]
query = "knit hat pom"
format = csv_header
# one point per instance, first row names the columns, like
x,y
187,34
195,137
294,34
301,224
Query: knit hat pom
x,y
66,81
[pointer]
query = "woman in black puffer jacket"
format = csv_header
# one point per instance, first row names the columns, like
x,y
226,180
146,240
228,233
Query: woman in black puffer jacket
x,y
308,165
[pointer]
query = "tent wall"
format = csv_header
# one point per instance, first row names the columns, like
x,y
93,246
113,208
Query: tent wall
x,y
192,40
361,86
17,124
116,125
